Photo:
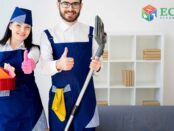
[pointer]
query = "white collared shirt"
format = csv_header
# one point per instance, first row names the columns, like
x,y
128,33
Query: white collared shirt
x,y
62,33
34,52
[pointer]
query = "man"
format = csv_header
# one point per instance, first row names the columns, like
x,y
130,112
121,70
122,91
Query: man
x,y
66,54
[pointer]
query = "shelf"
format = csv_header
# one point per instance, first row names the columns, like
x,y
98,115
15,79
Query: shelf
x,y
148,61
147,94
147,42
126,77
100,85
121,86
101,94
125,96
123,61
148,73
116,70
118,85
147,85
122,47
101,78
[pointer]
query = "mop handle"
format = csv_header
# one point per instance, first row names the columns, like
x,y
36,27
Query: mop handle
x,y
97,56
100,37
79,99
88,78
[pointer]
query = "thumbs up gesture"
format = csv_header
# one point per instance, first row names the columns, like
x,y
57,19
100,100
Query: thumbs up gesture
x,y
28,65
65,63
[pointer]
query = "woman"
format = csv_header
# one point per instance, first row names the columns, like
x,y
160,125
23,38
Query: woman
x,y
21,109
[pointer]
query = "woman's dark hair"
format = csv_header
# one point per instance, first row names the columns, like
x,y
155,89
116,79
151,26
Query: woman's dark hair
x,y
27,42
6,36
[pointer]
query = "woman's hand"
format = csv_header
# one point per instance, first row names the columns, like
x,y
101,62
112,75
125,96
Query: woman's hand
x,y
28,65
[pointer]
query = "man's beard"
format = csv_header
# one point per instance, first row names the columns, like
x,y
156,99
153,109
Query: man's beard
x,y
69,20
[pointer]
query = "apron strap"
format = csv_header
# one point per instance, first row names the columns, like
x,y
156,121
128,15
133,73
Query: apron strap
x,y
50,38
90,34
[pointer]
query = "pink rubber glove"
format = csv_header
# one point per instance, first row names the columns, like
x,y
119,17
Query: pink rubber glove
x,y
28,65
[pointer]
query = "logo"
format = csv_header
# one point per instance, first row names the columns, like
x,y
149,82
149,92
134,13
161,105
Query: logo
x,y
149,13
166,13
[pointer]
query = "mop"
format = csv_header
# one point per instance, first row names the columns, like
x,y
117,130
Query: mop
x,y
100,37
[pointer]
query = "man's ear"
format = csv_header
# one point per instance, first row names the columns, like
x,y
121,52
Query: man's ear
x,y
81,5
57,3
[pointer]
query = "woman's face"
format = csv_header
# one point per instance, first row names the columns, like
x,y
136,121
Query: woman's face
x,y
20,31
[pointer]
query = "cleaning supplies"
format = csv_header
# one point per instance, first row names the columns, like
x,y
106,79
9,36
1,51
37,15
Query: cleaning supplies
x,y
7,78
58,105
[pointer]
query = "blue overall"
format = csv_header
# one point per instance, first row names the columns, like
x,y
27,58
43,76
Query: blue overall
x,y
75,78
21,110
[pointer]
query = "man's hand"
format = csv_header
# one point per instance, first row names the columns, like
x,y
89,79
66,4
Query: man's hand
x,y
95,65
65,63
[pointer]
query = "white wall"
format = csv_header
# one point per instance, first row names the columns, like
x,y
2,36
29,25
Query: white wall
x,y
119,16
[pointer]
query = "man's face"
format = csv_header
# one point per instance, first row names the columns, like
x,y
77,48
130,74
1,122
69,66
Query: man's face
x,y
69,9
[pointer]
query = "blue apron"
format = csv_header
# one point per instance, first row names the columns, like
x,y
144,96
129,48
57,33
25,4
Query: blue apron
x,y
21,110
75,78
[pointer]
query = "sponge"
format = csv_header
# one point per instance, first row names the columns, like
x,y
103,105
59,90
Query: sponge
x,y
3,74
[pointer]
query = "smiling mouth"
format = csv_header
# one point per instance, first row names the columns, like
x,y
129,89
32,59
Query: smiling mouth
x,y
21,35
70,12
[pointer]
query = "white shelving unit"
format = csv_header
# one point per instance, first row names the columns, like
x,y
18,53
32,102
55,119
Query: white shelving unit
x,y
125,52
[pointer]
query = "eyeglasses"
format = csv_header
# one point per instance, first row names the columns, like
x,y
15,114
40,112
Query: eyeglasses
x,y
74,5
